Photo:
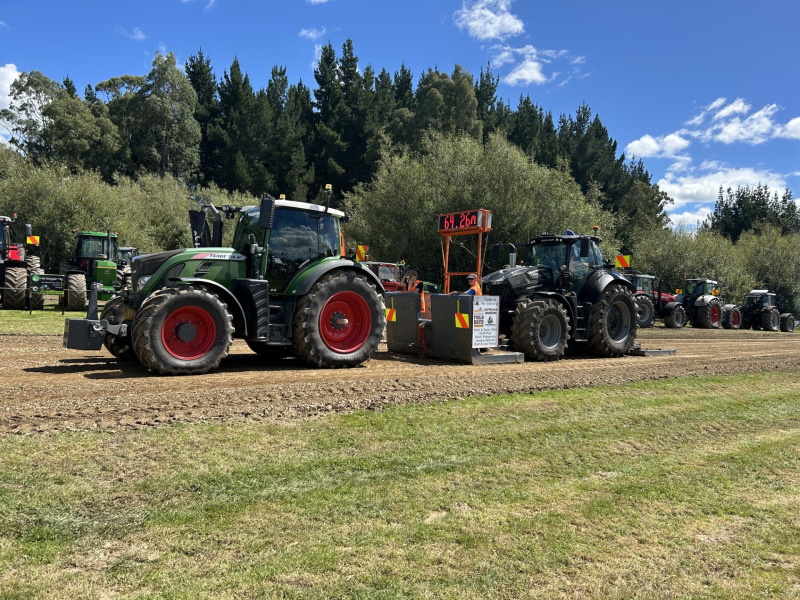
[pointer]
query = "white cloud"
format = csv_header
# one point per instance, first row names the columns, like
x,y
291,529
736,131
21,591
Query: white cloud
x,y
3,24
8,74
737,107
317,1
648,146
136,35
530,64
209,3
692,189
755,129
488,19
313,33
690,218
527,72
791,130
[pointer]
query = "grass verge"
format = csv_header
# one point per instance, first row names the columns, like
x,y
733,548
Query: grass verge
x,y
49,321
681,488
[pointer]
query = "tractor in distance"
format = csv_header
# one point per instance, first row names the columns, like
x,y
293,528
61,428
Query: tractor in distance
x,y
697,303
650,302
563,294
285,287
96,259
395,276
16,265
759,311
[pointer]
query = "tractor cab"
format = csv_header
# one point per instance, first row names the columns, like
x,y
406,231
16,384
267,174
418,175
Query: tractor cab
x,y
761,299
299,235
694,288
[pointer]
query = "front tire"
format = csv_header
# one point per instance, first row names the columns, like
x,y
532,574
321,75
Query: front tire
x,y
771,320
540,330
708,316
787,322
182,331
36,301
16,281
612,328
733,319
76,291
676,318
339,323
119,346
645,311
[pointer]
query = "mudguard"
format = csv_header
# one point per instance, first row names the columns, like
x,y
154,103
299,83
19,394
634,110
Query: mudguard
x,y
705,299
599,281
301,287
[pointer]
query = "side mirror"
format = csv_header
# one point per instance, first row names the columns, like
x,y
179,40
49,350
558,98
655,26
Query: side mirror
x,y
28,230
495,252
267,215
584,248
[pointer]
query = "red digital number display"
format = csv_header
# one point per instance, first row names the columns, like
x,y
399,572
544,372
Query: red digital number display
x,y
462,220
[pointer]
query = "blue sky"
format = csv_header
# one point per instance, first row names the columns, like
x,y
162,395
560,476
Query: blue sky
x,y
706,92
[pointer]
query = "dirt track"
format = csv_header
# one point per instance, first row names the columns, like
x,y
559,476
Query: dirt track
x,y
47,387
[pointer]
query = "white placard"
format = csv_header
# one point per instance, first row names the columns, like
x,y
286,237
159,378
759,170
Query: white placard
x,y
485,321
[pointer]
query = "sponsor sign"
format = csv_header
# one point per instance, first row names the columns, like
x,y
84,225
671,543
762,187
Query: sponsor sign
x,y
485,321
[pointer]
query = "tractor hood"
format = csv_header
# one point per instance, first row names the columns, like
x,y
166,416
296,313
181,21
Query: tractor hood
x,y
514,282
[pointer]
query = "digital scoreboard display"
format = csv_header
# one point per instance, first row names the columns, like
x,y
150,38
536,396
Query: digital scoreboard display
x,y
466,220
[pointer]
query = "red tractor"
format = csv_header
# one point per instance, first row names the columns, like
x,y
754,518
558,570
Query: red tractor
x,y
16,265
650,302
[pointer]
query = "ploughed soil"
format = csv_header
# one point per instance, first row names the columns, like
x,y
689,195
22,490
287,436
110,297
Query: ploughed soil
x,y
46,387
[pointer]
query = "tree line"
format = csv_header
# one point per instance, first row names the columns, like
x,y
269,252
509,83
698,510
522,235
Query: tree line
x,y
288,138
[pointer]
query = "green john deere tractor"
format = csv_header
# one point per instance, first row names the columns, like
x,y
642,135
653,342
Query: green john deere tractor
x,y
284,287
96,259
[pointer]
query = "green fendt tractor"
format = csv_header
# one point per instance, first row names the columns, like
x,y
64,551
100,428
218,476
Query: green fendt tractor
x,y
284,287
95,260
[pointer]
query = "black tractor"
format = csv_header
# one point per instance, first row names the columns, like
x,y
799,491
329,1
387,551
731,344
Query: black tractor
x,y
759,311
561,293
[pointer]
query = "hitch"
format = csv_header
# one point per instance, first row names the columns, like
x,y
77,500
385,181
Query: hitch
x,y
88,333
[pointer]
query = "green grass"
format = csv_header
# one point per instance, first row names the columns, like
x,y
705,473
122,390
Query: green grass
x,y
49,321
682,488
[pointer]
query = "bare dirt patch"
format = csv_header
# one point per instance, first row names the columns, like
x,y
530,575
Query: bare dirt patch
x,y
47,387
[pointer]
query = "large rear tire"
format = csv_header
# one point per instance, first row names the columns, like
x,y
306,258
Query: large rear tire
x,y
675,319
339,323
612,328
540,329
770,319
119,346
645,311
733,319
16,281
182,331
76,291
708,316
36,299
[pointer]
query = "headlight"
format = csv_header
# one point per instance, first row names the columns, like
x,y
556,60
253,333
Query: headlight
x,y
141,282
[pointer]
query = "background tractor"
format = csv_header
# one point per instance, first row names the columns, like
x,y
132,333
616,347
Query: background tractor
x,y
284,287
650,302
96,259
759,311
16,266
395,276
698,303
563,293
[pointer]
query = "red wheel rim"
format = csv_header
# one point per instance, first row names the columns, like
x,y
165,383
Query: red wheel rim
x,y
735,319
715,314
345,322
189,333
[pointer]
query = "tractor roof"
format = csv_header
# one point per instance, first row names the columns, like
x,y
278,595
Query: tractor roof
x,y
759,292
550,238
6,219
300,205
95,234
714,281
